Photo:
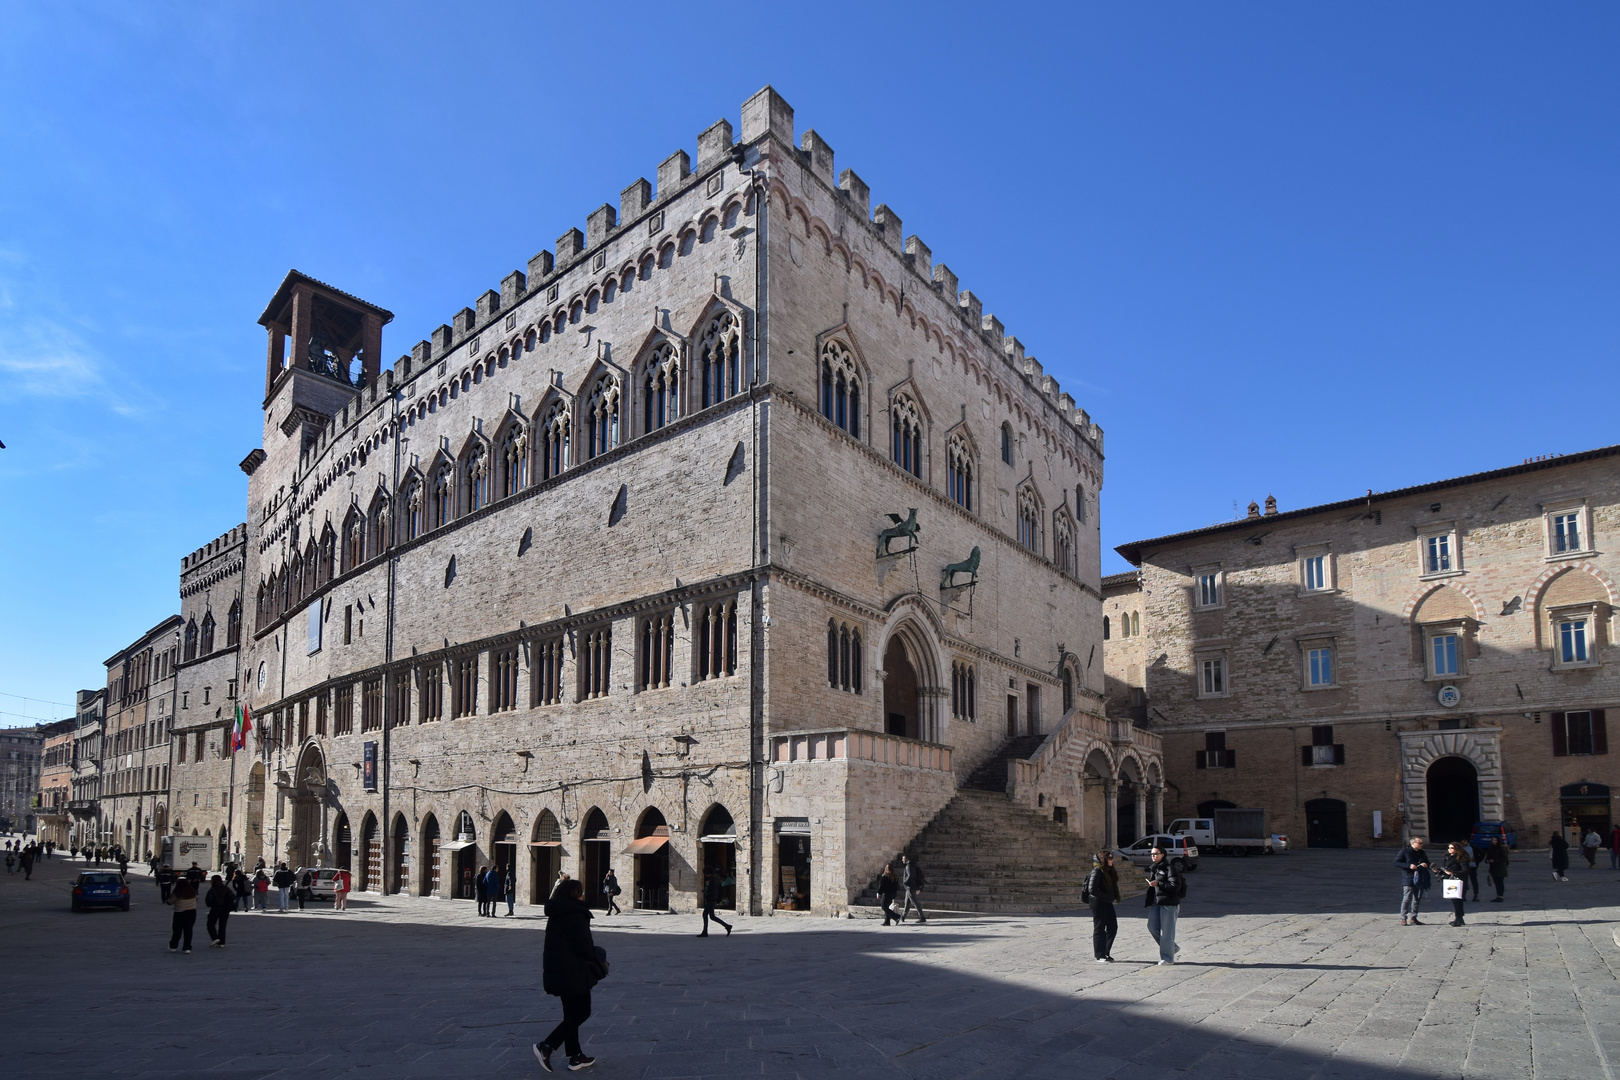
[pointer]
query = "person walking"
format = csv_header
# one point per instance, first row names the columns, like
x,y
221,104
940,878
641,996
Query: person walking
x,y
911,879
243,890
1589,848
494,888
1454,867
283,881
1414,864
1101,892
11,862
1165,887
221,901
571,965
888,885
340,890
184,901
610,889
509,888
165,882
306,882
1496,866
261,889
1560,856
28,864
480,891
195,875
711,900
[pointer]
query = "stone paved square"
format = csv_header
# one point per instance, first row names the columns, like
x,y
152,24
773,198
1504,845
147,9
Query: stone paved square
x,y
1294,966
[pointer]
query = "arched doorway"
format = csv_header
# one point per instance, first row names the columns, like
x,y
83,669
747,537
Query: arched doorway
x,y
253,831
1095,780
342,843
401,855
1128,824
1453,791
430,856
503,845
651,851
1327,823
371,845
718,843
466,849
306,788
596,855
899,691
545,856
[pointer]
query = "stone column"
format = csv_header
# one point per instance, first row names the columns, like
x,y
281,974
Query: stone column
x,y
1141,809
1158,808
1110,814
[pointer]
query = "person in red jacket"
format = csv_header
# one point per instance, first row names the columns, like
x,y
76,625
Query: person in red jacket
x,y
340,891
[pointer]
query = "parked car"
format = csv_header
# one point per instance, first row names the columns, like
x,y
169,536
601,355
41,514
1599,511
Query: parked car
x,y
1487,833
1279,842
99,888
323,886
1182,851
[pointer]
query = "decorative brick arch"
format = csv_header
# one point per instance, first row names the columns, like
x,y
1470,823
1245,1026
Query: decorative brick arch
x,y
1481,747
1417,598
1538,588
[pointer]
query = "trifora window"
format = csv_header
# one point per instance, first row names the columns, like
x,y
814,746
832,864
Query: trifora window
x,y
514,460
595,662
556,428
660,388
959,473
602,417
717,639
840,388
657,651
720,354
844,657
906,435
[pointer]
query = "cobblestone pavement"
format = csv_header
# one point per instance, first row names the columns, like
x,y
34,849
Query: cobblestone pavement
x,y
1294,966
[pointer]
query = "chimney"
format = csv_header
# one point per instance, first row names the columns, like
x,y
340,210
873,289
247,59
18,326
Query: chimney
x,y
1254,510
1271,506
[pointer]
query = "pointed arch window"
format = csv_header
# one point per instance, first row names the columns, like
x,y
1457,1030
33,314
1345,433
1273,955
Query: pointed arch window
x,y
411,506
556,429
840,388
354,540
476,476
233,625
297,573
309,579
191,640
660,388
602,417
326,566
1029,520
845,659
905,442
1006,442
261,608
441,502
959,472
1063,542
206,644
721,357
514,460
381,524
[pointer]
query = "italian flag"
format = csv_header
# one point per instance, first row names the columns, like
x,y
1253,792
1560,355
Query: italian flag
x,y
239,730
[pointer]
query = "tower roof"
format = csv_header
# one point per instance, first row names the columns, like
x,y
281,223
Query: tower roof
x,y
276,310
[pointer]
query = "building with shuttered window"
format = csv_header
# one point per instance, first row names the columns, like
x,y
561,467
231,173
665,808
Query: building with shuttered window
x,y
1401,663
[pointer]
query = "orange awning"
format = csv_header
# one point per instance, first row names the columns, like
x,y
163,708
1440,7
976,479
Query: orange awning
x,y
545,843
646,845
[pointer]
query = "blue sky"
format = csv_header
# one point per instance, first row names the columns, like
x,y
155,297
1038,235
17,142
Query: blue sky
x,y
1298,249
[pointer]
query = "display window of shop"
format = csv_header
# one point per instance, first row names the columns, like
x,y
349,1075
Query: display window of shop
x,y
793,864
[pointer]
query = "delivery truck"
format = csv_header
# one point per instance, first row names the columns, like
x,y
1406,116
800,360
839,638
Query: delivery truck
x,y
1227,832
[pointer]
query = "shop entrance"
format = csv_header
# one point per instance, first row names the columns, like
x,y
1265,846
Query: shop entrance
x,y
1327,824
466,856
596,857
899,690
718,843
343,844
503,848
651,851
545,857
1585,807
1453,790
793,864
430,856
401,862
371,872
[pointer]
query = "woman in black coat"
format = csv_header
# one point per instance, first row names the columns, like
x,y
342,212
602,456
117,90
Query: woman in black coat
x,y
1454,867
888,885
1560,856
221,901
570,967
1102,893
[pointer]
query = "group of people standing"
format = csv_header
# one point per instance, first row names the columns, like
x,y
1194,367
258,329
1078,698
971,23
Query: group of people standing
x,y
1166,888
491,884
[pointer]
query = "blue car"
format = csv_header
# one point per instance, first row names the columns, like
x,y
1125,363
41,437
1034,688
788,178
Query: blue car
x,y
100,888
1487,833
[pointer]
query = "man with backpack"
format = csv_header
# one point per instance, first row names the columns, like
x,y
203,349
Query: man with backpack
x,y
1166,887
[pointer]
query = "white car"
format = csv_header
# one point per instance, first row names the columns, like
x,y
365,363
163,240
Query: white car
x,y
1180,850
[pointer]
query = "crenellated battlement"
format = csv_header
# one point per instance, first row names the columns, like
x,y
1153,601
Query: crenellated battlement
x,y
641,206
236,538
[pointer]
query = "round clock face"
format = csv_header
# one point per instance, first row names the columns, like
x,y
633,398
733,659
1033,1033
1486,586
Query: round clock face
x,y
261,674
1449,696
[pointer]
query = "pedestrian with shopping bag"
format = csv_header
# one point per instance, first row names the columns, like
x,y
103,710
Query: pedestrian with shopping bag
x,y
571,965
1454,880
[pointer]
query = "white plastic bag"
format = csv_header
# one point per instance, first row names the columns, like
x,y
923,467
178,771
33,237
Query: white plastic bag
x,y
1452,889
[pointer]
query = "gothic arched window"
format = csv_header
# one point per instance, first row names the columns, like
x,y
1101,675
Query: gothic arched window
x,y
514,460
554,450
476,476
721,356
381,524
959,472
1006,442
905,443
1063,542
1029,520
233,624
354,541
206,644
660,388
410,505
326,566
602,417
840,388
441,500
844,657
191,640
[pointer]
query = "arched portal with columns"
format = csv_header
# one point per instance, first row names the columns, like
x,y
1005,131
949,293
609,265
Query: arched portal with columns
x,y
1481,747
306,790
1098,791
914,691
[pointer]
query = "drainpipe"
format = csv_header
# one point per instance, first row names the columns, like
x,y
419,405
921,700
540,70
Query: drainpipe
x,y
760,552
